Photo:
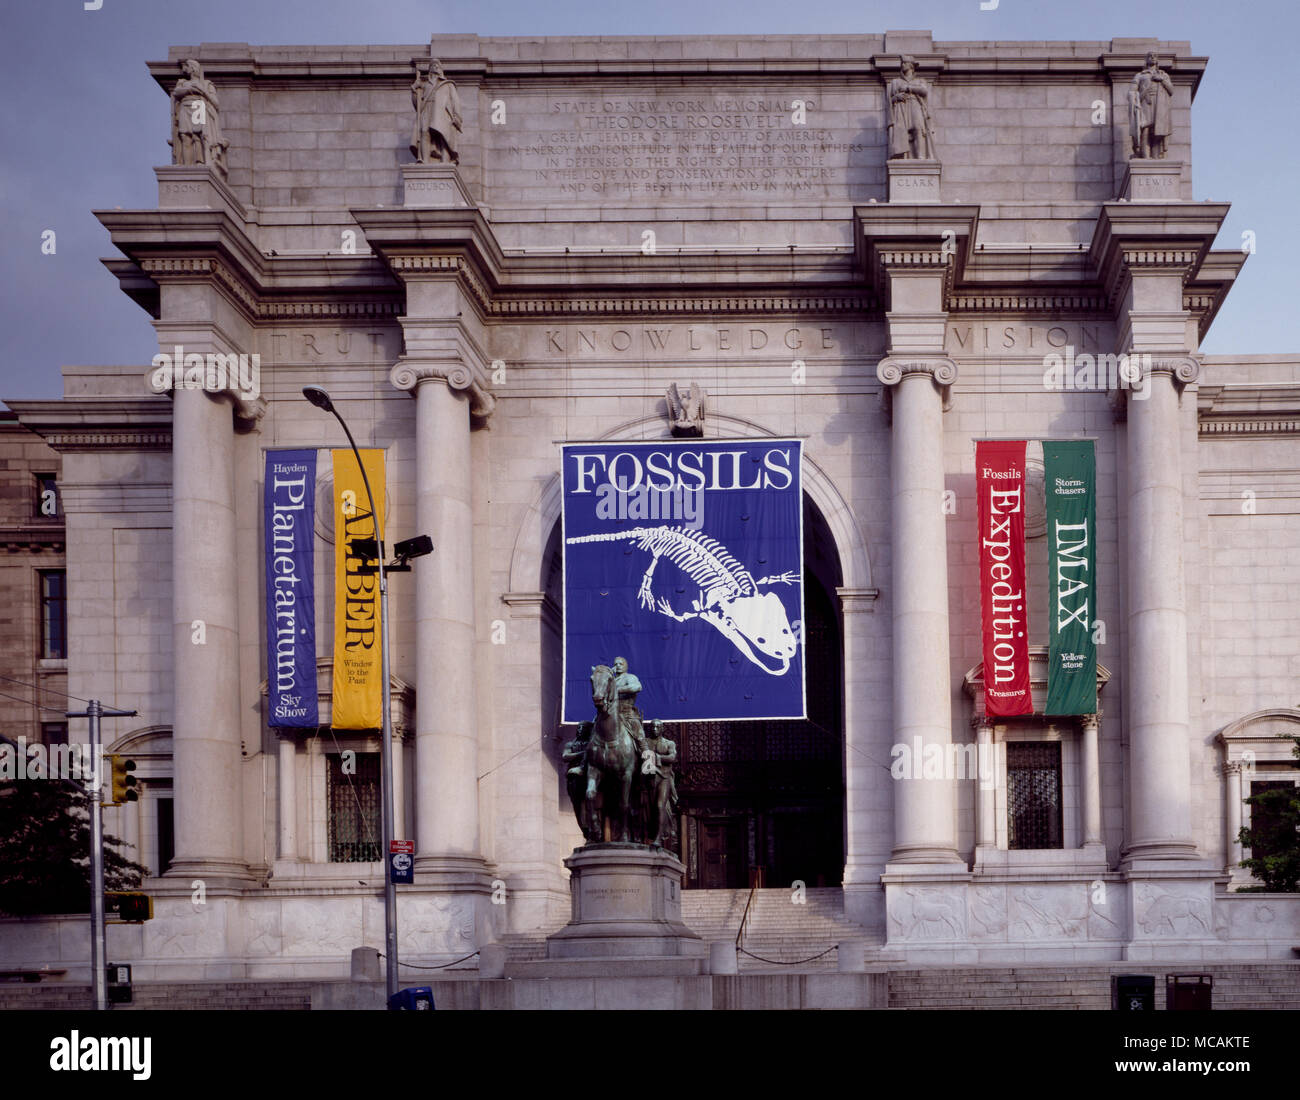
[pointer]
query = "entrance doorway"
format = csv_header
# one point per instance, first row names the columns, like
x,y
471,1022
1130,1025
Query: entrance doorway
x,y
763,802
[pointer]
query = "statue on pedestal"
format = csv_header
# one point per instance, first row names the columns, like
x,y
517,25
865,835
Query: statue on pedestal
x,y
615,767
196,130
1150,106
438,120
911,130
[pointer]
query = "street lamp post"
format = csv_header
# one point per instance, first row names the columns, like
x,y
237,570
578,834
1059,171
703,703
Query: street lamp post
x,y
318,397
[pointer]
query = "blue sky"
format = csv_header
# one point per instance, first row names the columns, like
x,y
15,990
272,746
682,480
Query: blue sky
x,y
82,124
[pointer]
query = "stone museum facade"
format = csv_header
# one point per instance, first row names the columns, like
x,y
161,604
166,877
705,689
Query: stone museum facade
x,y
878,244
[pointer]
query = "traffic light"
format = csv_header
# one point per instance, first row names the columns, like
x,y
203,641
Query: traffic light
x,y
128,906
123,783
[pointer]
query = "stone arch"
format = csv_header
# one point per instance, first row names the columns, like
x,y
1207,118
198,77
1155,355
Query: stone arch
x,y
529,562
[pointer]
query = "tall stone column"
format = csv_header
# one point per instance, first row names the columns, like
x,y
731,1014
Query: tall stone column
x,y
399,785
446,724
1232,817
924,819
1090,768
986,792
1160,816
1145,254
205,640
288,775
867,783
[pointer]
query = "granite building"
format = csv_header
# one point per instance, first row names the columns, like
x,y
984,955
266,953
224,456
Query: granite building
x,y
871,242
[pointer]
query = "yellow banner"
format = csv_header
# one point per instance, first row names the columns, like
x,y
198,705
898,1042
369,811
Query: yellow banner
x,y
358,672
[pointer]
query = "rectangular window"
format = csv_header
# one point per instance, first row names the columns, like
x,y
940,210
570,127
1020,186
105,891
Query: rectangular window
x,y
54,614
1034,817
355,826
49,502
166,835
54,733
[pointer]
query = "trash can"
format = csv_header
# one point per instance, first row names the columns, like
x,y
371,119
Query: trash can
x,y
1133,992
416,999
1189,992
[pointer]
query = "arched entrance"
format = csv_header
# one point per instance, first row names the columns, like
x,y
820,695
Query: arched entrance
x,y
764,801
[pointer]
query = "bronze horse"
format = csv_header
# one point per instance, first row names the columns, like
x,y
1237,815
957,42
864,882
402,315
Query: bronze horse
x,y
611,760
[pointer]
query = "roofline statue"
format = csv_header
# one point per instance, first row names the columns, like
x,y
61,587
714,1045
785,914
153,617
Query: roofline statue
x,y
196,128
439,121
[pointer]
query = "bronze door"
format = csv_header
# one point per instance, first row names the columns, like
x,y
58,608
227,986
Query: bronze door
x,y
722,855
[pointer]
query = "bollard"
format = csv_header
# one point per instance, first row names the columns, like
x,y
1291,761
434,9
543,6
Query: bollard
x,y
365,965
851,957
722,957
492,961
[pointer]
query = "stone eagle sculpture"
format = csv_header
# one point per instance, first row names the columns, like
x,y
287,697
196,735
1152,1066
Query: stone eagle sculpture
x,y
686,414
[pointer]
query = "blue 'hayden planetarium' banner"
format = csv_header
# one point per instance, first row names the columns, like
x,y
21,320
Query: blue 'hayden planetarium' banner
x,y
289,498
686,558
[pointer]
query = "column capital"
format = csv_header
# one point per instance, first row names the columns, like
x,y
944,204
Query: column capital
x,y
195,357
981,722
408,374
1232,767
1182,369
891,371
1090,721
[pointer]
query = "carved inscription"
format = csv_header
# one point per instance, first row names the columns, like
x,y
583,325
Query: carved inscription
x,y
684,146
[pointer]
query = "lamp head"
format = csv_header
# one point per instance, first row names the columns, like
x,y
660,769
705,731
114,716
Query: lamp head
x,y
318,397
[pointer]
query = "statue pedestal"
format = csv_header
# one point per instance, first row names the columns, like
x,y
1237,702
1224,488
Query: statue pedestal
x,y
913,180
195,186
1152,180
434,185
627,901
627,918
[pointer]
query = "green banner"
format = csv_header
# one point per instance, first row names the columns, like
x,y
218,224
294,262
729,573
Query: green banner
x,y
1071,477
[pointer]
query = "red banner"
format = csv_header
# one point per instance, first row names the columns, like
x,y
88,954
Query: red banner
x,y
1000,487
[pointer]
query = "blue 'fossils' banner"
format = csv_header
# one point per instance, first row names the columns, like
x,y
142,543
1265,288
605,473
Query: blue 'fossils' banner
x,y
686,559
289,498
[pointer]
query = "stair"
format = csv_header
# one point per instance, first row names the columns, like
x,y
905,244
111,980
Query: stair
x,y
777,928
787,933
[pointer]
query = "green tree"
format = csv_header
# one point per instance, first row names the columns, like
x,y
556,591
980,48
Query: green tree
x,y
1274,839
45,849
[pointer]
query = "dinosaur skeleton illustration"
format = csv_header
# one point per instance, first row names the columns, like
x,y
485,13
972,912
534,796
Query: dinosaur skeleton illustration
x,y
729,599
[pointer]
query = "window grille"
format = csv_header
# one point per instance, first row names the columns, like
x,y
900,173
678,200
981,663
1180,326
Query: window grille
x,y
354,821
1034,818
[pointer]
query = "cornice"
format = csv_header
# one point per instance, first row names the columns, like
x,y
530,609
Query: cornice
x,y
33,536
755,303
1052,303
1149,237
99,423
1233,409
912,238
